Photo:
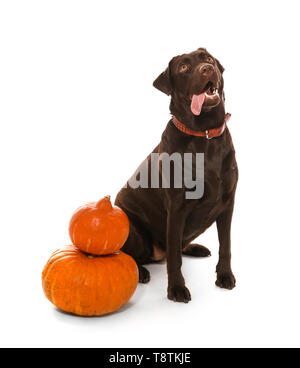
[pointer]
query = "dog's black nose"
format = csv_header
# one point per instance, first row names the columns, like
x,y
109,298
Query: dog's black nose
x,y
206,70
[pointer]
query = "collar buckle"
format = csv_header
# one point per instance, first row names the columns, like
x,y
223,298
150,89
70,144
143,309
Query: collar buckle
x,y
207,135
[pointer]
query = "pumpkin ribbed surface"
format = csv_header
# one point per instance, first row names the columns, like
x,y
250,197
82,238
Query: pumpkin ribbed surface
x,y
86,285
99,228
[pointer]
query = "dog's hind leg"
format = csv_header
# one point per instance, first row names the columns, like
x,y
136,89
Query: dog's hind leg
x,y
196,250
144,275
139,247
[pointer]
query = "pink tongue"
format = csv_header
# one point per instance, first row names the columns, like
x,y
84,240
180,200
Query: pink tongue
x,y
197,102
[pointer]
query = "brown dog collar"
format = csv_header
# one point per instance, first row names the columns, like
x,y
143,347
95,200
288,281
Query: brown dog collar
x,y
208,134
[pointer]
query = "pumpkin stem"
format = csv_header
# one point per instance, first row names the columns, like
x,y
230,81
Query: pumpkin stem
x,y
104,204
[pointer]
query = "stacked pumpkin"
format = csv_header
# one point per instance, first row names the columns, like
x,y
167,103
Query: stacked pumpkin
x,y
92,276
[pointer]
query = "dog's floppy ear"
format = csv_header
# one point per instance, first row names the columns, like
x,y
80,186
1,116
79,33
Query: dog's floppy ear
x,y
163,81
220,66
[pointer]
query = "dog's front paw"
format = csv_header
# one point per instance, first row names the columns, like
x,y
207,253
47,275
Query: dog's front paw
x,y
226,280
179,293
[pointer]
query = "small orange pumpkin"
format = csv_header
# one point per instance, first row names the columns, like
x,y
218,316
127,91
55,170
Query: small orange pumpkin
x,y
88,285
99,228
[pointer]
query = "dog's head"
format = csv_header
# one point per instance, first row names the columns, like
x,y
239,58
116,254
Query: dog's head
x,y
195,83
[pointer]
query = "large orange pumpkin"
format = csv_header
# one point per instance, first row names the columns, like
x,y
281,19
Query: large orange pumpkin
x,y
88,285
99,228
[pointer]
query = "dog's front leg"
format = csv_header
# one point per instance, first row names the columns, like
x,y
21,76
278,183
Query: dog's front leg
x,y
176,284
225,277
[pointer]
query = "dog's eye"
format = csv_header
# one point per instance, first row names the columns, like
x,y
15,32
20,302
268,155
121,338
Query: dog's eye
x,y
183,68
210,59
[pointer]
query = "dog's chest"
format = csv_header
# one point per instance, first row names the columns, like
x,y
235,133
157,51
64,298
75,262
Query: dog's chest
x,y
220,179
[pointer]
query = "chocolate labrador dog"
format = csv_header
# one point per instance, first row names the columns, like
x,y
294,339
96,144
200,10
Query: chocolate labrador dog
x,y
163,220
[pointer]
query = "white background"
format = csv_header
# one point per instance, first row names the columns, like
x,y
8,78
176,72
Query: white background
x,y
78,114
